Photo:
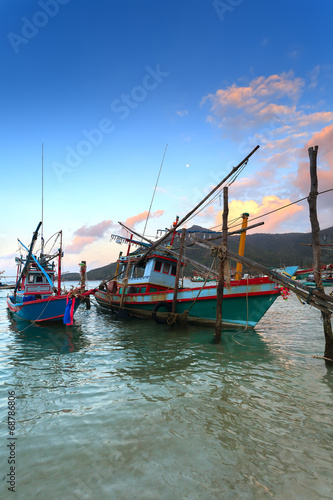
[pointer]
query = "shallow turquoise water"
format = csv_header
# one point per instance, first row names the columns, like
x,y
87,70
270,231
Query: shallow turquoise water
x,y
117,410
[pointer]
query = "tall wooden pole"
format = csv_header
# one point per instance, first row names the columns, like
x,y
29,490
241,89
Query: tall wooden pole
x,y
124,284
222,254
312,200
83,273
179,265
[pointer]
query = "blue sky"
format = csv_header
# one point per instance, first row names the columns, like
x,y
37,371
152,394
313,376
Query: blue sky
x,y
105,85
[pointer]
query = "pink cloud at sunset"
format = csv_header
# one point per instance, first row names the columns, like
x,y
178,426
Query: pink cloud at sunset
x,y
79,243
97,231
86,235
268,108
133,221
273,221
271,111
254,105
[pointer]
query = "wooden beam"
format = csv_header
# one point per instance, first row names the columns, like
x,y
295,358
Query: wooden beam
x,y
179,265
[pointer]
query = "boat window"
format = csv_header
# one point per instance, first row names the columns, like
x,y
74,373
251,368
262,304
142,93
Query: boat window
x,y
158,266
30,278
166,268
139,272
152,289
39,279
143,289
173,270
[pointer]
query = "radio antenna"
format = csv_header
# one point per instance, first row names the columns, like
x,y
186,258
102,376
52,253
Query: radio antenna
x,y
42,238
151,203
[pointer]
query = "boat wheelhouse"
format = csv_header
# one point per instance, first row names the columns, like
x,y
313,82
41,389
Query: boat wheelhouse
x,y
35,285
148,274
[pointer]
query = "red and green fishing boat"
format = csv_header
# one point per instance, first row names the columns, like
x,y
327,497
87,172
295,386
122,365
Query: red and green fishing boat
x,y
146,286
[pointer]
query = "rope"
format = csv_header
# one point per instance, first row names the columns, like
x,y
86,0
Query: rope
x,y
321,357
234,177
35,321
211,267
173,317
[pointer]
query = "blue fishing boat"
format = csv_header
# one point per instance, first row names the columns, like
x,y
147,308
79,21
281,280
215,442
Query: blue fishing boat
x,y
37,295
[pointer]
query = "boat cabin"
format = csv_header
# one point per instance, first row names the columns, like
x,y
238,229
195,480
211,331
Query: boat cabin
x,y
35,285
157,269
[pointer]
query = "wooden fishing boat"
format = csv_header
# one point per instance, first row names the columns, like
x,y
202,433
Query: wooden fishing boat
x,y
146,288
37,296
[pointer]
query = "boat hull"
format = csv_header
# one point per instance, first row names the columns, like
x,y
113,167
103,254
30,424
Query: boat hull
x,y
244,304
49,309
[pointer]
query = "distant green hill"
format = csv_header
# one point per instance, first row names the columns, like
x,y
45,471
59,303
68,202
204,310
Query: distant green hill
x,y
94,275
270,250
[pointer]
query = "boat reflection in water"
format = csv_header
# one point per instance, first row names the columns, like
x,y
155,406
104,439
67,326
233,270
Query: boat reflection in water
x,y
46,339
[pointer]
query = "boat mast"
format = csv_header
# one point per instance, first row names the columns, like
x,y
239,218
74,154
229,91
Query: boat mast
x,y
42,236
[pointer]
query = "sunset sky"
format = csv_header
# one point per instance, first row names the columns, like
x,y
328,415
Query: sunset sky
x,y
108,87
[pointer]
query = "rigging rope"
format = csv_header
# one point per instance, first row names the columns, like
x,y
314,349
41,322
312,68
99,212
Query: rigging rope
x,y
151,203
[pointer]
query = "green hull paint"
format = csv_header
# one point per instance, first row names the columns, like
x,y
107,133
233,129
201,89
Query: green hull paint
x,y
236,311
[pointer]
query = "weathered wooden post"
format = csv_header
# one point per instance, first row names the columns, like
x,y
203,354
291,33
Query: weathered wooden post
x,y
312,200
124,285
222,254
179,265
83,273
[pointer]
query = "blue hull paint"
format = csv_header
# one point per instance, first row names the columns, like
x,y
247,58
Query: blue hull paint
x,y
51,309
